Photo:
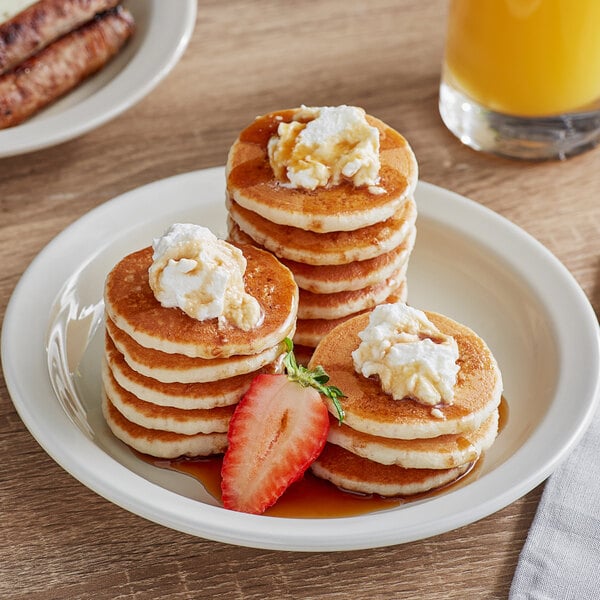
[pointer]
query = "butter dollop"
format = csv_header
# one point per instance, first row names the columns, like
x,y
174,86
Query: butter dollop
x,y
202,275
412,358
324,145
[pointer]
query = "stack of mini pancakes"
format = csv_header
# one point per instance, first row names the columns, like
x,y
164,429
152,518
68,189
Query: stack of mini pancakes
x,y
171,382
402,447
348,247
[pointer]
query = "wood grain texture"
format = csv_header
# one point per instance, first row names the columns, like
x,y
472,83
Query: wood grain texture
x,y
247,57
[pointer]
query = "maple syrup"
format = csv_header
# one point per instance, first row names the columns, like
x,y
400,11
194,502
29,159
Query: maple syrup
x,y
311,497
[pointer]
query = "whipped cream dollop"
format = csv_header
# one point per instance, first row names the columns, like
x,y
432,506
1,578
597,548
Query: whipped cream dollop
x,y
412,358
323,145
203,276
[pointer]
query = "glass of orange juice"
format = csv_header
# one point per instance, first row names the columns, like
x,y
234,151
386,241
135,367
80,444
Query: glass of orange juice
x,y
521,78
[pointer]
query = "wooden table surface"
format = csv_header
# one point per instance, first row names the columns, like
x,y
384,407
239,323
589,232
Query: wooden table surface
x,y
60,540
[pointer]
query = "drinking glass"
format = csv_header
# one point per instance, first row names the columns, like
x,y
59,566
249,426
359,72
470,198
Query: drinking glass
x,y
521,78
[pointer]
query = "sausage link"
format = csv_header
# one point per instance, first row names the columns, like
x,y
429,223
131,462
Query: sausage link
x,y
42,23
61,66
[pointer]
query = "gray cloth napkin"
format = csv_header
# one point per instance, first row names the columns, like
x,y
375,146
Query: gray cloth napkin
x,y
561,557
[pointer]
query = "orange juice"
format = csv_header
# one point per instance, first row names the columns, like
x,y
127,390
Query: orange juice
x,y
525,57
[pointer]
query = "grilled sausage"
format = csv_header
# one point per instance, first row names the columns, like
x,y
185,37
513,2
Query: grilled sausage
x,y
42,23
62,65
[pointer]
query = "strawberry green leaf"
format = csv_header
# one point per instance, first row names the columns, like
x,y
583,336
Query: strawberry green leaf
x,y
316,378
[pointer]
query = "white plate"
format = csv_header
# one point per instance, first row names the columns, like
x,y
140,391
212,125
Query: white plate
x,y
163,30
468,262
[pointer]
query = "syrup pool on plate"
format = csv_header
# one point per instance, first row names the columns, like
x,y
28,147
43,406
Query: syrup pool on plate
x,y
311,497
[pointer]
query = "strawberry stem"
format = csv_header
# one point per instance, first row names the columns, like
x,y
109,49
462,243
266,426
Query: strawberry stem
x,y
316,378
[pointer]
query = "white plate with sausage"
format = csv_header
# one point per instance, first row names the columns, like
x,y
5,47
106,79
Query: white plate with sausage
x,y
162,32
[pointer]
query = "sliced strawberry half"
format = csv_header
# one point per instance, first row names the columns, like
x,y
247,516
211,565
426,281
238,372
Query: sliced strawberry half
x,y
277,430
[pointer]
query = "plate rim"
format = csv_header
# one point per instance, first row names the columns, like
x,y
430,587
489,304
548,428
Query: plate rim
x,y
74,121
283,533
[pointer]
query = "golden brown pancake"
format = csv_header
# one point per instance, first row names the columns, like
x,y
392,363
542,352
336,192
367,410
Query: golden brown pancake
x,y
329,279
162,444
309,332
370,410
356,474
342,304
335,248
132,306
167,418
169,368
252,184
222,392
442,452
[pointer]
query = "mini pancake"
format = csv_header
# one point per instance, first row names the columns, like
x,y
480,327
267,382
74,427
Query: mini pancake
x,y
162,444
442,452
370,410
342,304
166,418
329,279
132,306
356,474
345,207
170,368
335,248
222,392
309,332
